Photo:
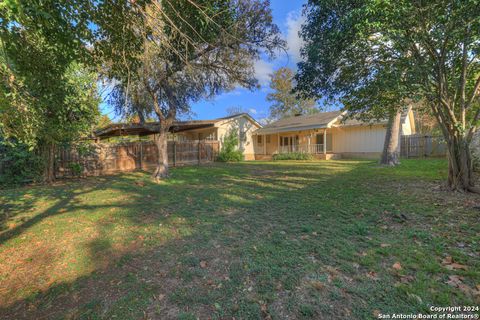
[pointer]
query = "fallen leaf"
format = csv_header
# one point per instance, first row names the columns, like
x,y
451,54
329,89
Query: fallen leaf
x,y
454,280
373,275
456,266
384,245
140,183
451,265
376,313
317,285
397,266
203,264
447,260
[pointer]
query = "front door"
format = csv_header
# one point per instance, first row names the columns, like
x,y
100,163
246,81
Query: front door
x,y
288,144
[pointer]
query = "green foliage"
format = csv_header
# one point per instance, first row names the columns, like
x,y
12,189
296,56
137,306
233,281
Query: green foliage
x,y
191,52
103,121
19,165
374,55
76,169
285,102
43,89
293,156
230,152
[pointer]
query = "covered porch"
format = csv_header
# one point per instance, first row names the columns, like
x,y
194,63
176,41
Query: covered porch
x,y
318,142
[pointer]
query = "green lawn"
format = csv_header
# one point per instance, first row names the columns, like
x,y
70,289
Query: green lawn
x,y
254,240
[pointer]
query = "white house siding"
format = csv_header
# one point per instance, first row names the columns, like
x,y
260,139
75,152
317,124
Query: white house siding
x,y
245,129
359,141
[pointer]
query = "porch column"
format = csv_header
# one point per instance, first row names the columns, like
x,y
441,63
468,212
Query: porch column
x,y
324,141
309,137
264,144
278,142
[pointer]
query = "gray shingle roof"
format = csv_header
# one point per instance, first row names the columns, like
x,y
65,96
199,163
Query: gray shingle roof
x,y
305,122
319,120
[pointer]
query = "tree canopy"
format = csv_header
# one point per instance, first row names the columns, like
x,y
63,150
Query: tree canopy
x,y
375,56
285,102
191,50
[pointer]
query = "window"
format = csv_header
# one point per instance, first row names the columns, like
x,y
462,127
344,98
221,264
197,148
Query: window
x,y
267,139
209,136
259,139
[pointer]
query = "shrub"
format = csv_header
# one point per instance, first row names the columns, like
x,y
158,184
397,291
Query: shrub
x,y
230,152
292,156
19,165
76,169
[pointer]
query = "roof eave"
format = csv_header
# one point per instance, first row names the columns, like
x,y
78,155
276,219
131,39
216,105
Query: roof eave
x,y
288,129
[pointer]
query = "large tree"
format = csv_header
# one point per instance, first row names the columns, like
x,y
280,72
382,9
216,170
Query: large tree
x,y
47,96
428,50
285,102
190,50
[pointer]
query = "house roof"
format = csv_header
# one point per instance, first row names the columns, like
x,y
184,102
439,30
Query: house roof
x,y
126,129
319,120
305,122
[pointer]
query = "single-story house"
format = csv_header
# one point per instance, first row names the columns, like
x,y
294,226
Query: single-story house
x,y
215,129
326,135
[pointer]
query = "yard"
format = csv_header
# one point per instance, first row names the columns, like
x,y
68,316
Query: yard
x,y
254,240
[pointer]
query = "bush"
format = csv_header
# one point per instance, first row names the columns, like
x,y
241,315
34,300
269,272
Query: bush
x,y
230,152
292,156
76,169
19,165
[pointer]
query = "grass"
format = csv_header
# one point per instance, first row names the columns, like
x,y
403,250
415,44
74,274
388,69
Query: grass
x,y
253,240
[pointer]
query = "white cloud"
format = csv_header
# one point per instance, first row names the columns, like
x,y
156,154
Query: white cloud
x,y
294,23
263,70
252,111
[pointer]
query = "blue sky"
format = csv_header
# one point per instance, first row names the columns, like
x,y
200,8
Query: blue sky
x,y
287,15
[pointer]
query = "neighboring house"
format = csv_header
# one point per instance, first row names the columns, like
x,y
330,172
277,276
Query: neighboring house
x,y
326,135
243,124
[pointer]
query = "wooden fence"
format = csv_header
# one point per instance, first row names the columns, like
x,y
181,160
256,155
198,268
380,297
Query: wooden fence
x,y
416,146
99,159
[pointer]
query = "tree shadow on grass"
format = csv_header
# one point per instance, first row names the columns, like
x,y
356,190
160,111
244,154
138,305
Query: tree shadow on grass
x,y
64,198
237,240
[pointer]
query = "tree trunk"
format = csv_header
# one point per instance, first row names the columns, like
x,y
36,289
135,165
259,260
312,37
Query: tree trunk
x,y
391,148
162,161
460,165
49,156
